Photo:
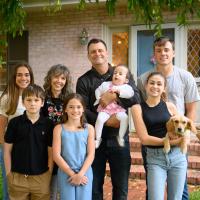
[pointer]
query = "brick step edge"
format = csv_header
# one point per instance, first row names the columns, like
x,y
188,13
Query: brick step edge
x,y
137,172
135,146
193,161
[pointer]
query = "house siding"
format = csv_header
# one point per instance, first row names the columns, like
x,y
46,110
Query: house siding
x,y
55,39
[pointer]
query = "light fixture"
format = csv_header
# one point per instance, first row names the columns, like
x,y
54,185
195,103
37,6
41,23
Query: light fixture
x,y
84,36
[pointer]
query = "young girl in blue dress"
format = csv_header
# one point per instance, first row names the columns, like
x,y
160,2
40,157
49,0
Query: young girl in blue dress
x,y
73,151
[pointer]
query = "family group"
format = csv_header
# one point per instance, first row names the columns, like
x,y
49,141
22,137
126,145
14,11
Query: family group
x,y
55,143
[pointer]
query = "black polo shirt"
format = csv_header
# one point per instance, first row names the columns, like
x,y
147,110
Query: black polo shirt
x,y
30,144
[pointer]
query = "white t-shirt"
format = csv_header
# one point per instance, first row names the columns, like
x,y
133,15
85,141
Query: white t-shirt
x,y
3,108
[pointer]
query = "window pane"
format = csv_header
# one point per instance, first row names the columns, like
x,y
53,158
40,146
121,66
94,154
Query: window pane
x,y
120,48
193,52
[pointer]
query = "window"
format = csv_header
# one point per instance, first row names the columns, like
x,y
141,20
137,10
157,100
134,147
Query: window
x,y
120,48
193,52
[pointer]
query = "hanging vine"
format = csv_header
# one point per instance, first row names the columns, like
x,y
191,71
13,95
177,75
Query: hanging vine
x,y
13,14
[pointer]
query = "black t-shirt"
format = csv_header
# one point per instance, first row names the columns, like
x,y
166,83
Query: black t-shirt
x,y
30,144
155,119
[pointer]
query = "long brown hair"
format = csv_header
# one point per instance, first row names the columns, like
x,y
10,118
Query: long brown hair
x,y
80,99
13,91
57,70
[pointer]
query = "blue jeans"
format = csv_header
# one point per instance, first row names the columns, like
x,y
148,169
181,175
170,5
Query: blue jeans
x,y
185,195
119,161
4,183
161,167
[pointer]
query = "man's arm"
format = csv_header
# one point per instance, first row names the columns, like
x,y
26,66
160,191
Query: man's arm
x,y
83,90
190,109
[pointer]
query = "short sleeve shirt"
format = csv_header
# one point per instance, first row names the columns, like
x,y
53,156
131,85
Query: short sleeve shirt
x,y
181,88
30,144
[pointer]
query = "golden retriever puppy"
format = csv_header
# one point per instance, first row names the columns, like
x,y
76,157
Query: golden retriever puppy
x,y
178,126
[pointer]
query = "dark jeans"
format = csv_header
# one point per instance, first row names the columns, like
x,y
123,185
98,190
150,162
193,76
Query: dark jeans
x,y
185,191
119,160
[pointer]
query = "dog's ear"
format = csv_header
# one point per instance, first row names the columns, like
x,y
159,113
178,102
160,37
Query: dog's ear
x,y
170,125
191,126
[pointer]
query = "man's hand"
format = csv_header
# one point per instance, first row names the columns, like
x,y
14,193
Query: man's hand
x,y
107,98
113,122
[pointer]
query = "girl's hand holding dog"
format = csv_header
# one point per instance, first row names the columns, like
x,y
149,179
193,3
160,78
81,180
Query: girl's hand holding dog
x,y
175,141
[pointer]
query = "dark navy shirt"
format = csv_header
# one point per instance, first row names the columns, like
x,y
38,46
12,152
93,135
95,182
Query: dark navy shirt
x,y
155,119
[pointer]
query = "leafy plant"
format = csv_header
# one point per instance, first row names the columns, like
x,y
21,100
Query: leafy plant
x,y
13,14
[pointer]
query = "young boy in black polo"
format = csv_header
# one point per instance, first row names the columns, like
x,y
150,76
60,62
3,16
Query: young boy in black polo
x,y
27,150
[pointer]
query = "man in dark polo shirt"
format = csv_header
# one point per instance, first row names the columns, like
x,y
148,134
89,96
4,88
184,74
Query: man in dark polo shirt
x,y
28,152
119,158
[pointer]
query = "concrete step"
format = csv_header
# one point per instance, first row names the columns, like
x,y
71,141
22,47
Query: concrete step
x,y
138,172
193,161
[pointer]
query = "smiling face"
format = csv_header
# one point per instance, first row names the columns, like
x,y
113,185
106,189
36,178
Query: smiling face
x,y
155,86
120,75
74,109
22,78
164,54
97,54
57,83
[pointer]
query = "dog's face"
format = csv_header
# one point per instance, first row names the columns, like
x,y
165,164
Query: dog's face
x,y
179,124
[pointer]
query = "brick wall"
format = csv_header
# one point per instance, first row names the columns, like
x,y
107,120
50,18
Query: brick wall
x,y
55,39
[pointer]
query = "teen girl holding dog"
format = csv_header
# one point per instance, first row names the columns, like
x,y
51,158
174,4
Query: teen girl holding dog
x,y
150,119
73,151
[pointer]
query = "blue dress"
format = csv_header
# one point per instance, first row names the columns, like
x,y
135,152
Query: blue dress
x,y
74,152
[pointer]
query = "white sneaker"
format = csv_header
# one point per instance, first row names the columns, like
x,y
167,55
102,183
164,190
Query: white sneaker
x,y
97,143
120,141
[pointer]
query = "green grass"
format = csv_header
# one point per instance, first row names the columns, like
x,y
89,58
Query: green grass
x,y
1,192
195,195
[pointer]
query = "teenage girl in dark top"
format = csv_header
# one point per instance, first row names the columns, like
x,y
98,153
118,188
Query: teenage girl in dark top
x,y
57,85
150,123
